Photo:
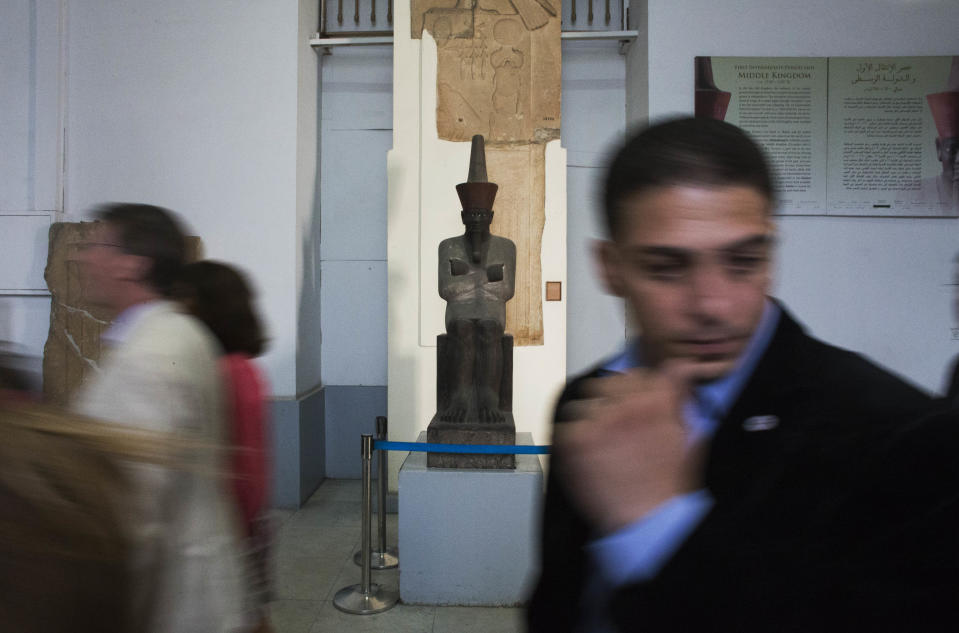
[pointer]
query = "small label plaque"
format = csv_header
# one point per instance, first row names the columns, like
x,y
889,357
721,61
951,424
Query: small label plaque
x,y
554,291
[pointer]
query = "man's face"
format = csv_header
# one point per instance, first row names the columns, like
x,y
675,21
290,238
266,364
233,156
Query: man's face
x,y
693,263
101,263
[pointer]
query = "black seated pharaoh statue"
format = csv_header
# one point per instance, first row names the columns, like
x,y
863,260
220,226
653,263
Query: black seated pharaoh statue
x,y
477,272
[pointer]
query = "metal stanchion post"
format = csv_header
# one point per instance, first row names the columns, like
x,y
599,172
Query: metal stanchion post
x,y
383,557
366,597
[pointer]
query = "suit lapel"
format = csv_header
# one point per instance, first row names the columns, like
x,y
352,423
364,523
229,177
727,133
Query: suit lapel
x,y
747,450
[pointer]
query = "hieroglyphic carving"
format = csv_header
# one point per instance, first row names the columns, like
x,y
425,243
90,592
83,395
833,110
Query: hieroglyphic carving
x,y
498,70
499,75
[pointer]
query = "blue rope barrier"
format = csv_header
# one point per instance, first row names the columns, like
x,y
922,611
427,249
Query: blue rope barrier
x,y
482,449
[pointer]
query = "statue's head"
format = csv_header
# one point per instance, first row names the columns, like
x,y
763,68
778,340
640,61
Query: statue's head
x,y
477,220
477,194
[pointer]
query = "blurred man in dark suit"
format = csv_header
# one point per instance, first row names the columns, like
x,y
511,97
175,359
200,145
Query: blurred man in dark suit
x,y
697,475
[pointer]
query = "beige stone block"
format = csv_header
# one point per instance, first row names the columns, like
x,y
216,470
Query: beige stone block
x,y
495,76
72,352
519,214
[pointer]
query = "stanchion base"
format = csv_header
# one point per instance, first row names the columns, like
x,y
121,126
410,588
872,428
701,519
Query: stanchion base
x,y
390,559
352,599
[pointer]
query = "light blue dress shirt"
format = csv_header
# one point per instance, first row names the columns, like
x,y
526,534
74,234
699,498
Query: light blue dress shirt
x,y
118,331
638,551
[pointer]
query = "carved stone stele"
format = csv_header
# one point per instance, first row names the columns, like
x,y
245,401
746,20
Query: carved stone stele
x,y
72,351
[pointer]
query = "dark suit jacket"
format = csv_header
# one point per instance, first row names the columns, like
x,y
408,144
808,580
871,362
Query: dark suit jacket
x,y
952,388
774,491
878,552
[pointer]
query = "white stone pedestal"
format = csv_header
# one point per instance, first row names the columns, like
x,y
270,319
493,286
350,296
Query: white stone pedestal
x,y
469,537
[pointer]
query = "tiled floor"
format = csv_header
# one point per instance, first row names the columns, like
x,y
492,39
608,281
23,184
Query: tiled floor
x,y
314,560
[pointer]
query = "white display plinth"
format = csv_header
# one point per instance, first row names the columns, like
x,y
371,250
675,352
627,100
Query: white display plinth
x,y
469,537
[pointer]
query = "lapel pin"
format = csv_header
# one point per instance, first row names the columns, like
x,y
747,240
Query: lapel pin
x,y
760,423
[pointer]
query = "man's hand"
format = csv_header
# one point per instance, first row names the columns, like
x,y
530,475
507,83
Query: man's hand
x,y
625,451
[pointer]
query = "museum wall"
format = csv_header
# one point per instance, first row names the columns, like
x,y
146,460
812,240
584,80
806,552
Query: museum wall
x,y
29,186
594,114
208,111
877,285
356,133
213,112
192,106
308,203
199,107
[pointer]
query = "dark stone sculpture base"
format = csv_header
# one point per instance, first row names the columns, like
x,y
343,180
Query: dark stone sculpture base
x,y
442,432
444,390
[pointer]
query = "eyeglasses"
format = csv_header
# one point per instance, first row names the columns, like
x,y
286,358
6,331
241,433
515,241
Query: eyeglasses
x,y
85,246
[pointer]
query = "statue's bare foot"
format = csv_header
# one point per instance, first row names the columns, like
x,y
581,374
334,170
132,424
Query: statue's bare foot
x,y
490,414
489,407
456,412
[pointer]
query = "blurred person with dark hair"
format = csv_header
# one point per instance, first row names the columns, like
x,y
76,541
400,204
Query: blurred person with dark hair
x,y
699,478
159,373
220,296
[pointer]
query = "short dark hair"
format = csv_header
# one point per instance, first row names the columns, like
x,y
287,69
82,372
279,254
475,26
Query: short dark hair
x,y
219,295
152,232
684,151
